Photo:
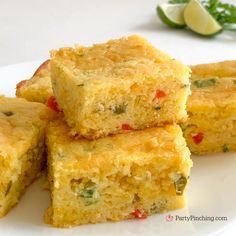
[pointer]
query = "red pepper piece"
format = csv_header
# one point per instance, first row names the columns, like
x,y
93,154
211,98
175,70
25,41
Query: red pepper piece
x,y
52,103
139,214
198,138
126,127
160,94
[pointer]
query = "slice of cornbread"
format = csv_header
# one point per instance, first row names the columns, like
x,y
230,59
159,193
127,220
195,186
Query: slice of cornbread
x,y
121,85
22,127
38,88
211,126
117,177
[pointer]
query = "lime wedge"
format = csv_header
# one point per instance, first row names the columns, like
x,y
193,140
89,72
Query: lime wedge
x,y
172,14
199,20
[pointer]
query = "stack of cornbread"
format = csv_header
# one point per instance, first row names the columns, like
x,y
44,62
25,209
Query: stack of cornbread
x,y
211,108
107,159
115,150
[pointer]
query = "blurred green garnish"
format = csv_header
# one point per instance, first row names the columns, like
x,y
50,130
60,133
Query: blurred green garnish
x,y
8,113
204,17
180,182
8,188
119,109
204,83
89,193
225,148
180,185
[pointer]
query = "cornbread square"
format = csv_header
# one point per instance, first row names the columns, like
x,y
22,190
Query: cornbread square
x,y
39,87
121,85
211,126
22,129
117,177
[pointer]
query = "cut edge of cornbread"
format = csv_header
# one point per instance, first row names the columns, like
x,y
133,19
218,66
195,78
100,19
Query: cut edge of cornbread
x,y
128,192
22,151
174,203
27,176
141,91
211,126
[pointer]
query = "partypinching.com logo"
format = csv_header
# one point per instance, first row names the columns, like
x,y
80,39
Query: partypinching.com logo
x,y
171,218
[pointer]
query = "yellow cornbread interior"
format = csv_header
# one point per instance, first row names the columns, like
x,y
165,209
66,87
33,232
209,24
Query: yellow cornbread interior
x,y
212,108
22,126
38,88
109,178
102,87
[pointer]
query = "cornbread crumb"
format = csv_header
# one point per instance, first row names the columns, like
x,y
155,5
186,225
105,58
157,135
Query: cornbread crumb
x,y
211,126
117,177
124,84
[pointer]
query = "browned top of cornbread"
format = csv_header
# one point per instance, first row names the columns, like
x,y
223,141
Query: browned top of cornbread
x,y
127,59
165,142
20,120
220,69
38,88
213,85
114,51
132,71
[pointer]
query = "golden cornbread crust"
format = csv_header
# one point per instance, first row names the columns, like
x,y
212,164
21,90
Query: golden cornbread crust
x,y
38,88
111,178
220,69
211,125
121,85
22,130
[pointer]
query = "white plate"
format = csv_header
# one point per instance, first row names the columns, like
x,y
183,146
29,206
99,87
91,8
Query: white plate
x,y
210,194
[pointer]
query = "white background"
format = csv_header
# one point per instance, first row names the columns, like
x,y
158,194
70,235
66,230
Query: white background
x,y
30,28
